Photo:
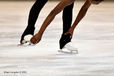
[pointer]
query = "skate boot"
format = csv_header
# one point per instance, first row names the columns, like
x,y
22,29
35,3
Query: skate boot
x,y
69,48
27,35
26,39
64,40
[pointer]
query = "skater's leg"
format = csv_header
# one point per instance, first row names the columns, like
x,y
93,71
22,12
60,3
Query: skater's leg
x,y
50,17
34,12
67,17
79,17
67,21
81,14
33,15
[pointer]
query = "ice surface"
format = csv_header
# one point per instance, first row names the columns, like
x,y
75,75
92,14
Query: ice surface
x,y
94,38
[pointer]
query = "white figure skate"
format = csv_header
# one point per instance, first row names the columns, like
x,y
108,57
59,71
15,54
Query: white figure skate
x,y
26,40
68,48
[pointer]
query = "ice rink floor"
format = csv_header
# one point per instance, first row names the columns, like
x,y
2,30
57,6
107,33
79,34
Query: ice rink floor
x,y
94,38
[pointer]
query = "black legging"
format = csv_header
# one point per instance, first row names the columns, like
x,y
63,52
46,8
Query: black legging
x,y
34,13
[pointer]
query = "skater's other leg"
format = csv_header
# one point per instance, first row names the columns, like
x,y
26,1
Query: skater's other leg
x,y
50,17
67,21
81,14
79,17
33,15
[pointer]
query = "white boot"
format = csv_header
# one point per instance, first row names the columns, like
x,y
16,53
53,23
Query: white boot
x,y
68,48
27,39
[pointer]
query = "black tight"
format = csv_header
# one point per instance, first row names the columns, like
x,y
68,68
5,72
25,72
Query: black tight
x,y
34,12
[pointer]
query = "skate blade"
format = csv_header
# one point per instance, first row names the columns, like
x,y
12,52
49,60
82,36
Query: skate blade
x,y
27,43
69,52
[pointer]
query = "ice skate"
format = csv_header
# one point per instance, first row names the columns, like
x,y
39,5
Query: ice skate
x,y
26,40
68,48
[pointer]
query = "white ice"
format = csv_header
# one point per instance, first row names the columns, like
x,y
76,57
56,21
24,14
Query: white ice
x,y
94,38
